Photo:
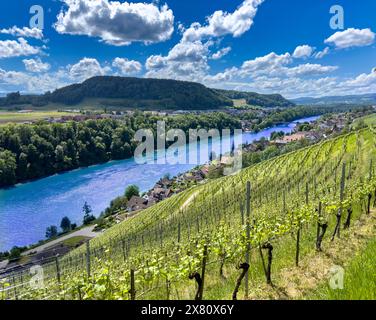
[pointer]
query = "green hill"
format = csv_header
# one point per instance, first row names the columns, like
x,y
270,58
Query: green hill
x,y
259,100
129,93
141,93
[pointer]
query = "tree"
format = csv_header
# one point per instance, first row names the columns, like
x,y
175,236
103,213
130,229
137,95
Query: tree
x,y
88,217
8,168
51,232
66,225
131,191
14,253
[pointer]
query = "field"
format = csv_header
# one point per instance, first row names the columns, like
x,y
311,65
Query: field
x,y
253,235
17,117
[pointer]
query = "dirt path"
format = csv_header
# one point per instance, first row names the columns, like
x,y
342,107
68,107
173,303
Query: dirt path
x,y
296,282
189,200
84,232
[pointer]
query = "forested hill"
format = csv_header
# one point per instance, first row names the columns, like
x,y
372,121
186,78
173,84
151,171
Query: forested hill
x,y
256,99
141,93
131,93
169,94
365,99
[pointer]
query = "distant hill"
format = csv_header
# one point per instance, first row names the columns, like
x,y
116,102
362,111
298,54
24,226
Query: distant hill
x,y
130,93
142,93
256,99
350,99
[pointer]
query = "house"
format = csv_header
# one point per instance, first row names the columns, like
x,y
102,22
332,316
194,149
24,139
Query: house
x,y
161,193
165,182
136,203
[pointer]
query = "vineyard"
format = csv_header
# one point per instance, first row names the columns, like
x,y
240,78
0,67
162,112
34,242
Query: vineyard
x,y
221,239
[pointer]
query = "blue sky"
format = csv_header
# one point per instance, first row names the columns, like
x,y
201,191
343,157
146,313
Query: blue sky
x,y
267,46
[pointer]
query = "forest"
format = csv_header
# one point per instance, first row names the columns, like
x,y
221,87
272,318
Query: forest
x,y
33,151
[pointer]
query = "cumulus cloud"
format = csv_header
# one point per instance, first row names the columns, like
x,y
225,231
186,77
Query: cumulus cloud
x,y
266,64
87,68
126,66
36,65
31,83
222,23
188,60
185,61
116,23
24,32
304,51
221,53
275,73
307,69
352,38
322,54
17,48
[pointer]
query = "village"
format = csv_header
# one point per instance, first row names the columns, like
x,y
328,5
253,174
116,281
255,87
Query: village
x,y
325,127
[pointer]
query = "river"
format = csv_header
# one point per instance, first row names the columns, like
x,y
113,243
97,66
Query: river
x,y
26,210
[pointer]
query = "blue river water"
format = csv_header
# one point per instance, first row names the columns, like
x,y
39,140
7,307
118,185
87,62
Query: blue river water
x,y
26,210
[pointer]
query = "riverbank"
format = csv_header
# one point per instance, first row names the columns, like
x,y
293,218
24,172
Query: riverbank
x,y
28,209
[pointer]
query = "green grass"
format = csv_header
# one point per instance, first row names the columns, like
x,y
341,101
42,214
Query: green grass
x,y
16,117
369,120
359,278
74,241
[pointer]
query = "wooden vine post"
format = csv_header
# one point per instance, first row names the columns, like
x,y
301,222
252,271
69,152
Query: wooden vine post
x,y
370,194
88,259
57,269
337,230
133,286
204,261
299,232
248,236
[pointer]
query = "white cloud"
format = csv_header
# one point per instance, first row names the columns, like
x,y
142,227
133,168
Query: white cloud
x,y
20,81
322,54
304,51
16,48
185,61
24,32
221,53
36,65
222,23
116,23
307,69
275,73
127,66
363,80
188,60
87,68
352,38
265,64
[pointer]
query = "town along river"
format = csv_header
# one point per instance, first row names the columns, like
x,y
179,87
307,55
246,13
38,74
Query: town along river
x,y
26,210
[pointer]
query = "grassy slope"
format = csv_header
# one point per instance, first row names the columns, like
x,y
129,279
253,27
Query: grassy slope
x,y
359,276
223,195
284,250
369,120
